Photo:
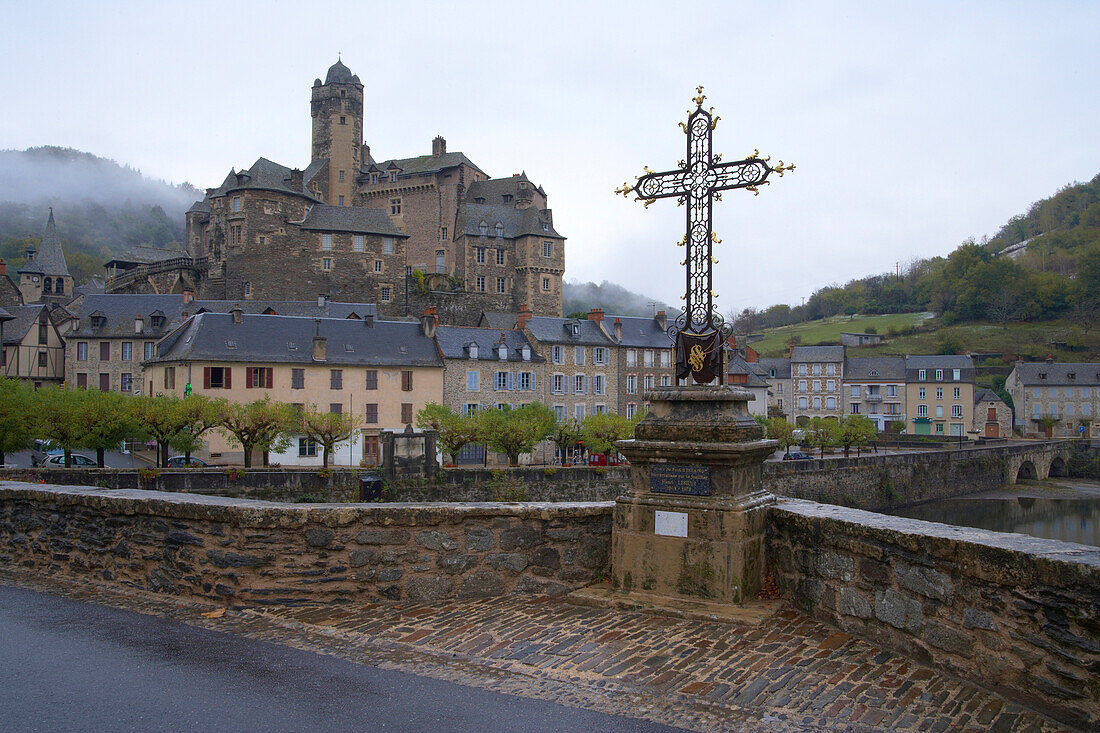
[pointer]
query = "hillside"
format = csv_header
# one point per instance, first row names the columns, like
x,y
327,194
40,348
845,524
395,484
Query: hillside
x,y
101,208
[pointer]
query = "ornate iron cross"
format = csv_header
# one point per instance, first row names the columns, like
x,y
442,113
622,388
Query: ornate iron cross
x,y
700,331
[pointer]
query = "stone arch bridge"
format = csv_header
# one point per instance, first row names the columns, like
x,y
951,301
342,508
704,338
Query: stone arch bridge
x,y
1040,460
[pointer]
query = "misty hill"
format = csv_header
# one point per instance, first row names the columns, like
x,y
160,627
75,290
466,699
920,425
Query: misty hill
x,y
102,208
611,298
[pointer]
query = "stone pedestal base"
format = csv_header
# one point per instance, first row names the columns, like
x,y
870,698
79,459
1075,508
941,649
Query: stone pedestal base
x,y
692,525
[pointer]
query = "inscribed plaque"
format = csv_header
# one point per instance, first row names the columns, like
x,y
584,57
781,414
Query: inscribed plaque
x,y
669,479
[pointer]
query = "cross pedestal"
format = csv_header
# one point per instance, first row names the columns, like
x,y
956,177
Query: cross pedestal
x,y
692,524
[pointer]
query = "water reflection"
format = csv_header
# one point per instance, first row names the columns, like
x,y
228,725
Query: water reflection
x,y
1069,520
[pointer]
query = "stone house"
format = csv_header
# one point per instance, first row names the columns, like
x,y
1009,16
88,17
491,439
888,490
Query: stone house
x,y
383,372
777,373
9,291
1056,399
643,357
749,376
875,386
939,394
860,339
33,349
992,417
817,373
582,377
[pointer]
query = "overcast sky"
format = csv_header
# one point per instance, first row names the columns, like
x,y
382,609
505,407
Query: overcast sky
x,y
913,125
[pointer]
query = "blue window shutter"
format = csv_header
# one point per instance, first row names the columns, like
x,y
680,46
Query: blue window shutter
x,y
511,380
532,381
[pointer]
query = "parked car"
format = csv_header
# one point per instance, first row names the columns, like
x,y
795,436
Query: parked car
x,y
185,462
41,450
75,459
797,455
604,459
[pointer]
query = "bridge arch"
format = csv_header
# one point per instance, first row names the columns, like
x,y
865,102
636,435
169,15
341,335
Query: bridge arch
x,y
1026,471
1057,467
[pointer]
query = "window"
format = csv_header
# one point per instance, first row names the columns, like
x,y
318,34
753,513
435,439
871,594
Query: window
x,y
470,409
378,265
599,356
443,234
647,381
921,393
666,381
578,355
631,357
500,257
341,202
500,284
358,243
816,385
578,411
666,358
939,375
82,380
817,403
855,390
393,179
779,388
217,377
526,381
82,351
370,413
598,384
631,409
647,358
336,379
632,384
406,380
579,384
170,378
307,447
500,380
482,228
258,377
601,409
386,293
479,282
472,380
406,412
236,204
939,393
855,408
326,241
891,390
395,204
104,350
803,403
956,374
830,403
957,393
1069,391
939,428
150,350
499,231
343,120
127,351
558,354
235,234
326,264
830,385
956,410
921,375
43,330
557,384
546,285
297,378
336,408
547,249
817,370
939,410
374,178
801,385
43,359
801,370
830,370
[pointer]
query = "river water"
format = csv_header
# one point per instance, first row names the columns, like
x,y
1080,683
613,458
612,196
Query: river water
x,y
1062,510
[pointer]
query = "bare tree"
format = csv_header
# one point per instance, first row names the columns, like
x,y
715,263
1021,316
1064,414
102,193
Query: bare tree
x,y
1004,307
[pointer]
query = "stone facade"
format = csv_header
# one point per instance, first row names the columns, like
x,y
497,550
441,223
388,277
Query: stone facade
x,y
816,373
1012,613
242,551
1056,399
992,417
643,357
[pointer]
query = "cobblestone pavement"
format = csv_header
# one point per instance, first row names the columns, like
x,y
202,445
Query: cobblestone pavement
x,y
790,673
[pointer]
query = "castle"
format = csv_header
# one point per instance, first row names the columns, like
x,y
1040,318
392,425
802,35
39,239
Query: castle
x,y
404,233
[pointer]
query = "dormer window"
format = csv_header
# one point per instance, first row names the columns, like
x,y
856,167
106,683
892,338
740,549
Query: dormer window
x,y
502,352
393,176
1072,375
546,226
499,229
874,372
507,198
1042,375
157,321
483,228
374,178
479,199
473,351
526,353
576,328
98,321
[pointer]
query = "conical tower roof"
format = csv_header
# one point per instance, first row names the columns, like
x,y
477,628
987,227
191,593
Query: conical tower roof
x,y
50,259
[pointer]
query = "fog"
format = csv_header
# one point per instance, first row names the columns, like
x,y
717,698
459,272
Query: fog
x,y
613,299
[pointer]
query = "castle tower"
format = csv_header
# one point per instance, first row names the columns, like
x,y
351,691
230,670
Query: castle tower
x,y
337,109
45,275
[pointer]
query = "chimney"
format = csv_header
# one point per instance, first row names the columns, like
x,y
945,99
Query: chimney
x,y
428,322
296,180
139,324
523,317
439,146
595,315
188,296
320,343
237,313
368,320
662,320
366,153
619,330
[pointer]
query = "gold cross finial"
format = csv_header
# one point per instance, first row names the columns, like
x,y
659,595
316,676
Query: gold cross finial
x,y
699,100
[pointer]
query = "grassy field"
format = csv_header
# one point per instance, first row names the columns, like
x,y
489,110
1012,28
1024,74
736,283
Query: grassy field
x,y
829,330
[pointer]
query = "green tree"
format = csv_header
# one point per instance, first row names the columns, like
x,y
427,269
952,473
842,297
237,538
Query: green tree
x,y
261,425
57,415
330,429
16,416
162,419
565,434
107,418
822,433
779,429
201,414
454,431
602,430
857,430
516,431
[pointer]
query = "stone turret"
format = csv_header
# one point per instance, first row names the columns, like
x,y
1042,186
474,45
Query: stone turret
x,y
337,109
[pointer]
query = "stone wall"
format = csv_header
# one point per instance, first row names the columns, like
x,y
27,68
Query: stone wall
x,y
1015,614
251,552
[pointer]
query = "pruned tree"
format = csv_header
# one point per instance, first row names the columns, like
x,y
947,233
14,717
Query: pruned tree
x,y
565,434
328,429
781,430
602,430
201,414
261,425
16,416
162,419
856,430
107,420
56,417
453,431
517,431
822,433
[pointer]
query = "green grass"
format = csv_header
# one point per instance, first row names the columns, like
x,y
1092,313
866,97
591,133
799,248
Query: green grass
x,y
828,330
1032,341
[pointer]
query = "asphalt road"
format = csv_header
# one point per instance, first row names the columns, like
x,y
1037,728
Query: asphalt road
x,y
70,666
111,459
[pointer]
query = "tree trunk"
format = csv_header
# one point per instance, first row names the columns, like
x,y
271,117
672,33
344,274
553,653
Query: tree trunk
x,y
98,457
265,457
247,454
2,461
513,459
69,458
324,457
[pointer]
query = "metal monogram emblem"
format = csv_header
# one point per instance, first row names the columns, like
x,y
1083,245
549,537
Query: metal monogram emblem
x,y
700,331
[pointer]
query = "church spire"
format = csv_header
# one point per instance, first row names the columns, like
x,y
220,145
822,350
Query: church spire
x,y
51,258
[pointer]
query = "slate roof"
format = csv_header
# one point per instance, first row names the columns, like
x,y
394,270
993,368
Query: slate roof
x,y
947,362
340,74
422,163
23,318
493,190
782,367
5,316
549,330
304,308
983,394
289,340
1087,373
817,353
265,175
517,222
643,333
884,368
454,342
121,310
357,219
49,260
736,365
